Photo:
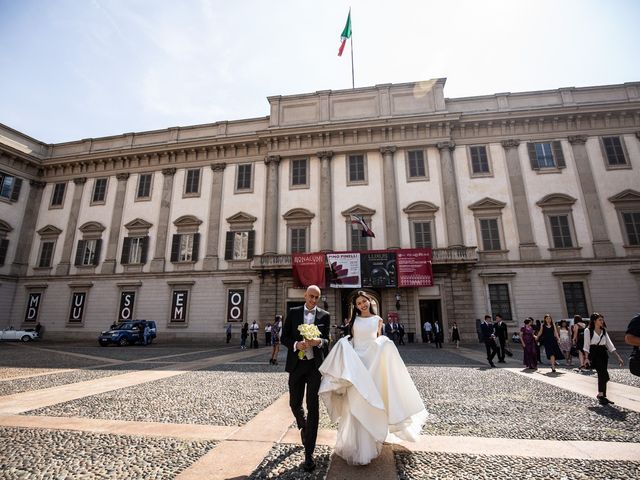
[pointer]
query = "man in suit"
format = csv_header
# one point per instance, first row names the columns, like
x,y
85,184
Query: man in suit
x,y
500,330
303,373
489,339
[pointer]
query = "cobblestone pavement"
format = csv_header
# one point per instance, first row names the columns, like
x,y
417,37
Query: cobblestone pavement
x,y
229,399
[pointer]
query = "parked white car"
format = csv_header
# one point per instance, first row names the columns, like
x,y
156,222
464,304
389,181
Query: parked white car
x,y
22,335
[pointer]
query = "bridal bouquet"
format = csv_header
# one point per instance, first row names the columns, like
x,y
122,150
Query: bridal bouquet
x,y
308,332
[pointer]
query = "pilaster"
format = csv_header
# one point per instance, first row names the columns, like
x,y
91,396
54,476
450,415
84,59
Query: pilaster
x,y
109,264
325,209
27,230
450,192
391,223
528,248
215,207
602,246
64,266
158,262
271,206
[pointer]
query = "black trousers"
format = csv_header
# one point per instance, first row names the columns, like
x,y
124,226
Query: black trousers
x,y
492,349
500,346
599,358
306,375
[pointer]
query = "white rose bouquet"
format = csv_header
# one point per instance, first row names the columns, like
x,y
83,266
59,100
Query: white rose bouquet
x,y
308,332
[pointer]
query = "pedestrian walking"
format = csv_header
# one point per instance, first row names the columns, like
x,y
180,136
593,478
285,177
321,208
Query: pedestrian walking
x,y
528,341
228,331
597,346
267,335
455,335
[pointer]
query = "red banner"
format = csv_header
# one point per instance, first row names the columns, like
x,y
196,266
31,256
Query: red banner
x,y
414,267
308,269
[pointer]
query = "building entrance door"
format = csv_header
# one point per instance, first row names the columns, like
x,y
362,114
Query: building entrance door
x,y
429,312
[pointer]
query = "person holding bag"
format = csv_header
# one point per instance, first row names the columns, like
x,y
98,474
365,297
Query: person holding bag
x,y
597,346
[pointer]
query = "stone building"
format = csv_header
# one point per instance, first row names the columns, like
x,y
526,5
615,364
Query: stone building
x,y
530,201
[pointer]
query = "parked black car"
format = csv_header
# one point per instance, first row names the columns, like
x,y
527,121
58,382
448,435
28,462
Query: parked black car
x,y
128,333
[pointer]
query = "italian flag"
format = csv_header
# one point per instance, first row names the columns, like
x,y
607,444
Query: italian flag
x,y
346,34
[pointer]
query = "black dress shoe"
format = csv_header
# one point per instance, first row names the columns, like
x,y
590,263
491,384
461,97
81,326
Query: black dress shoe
x,y
501,361
309,464
493,365
605,401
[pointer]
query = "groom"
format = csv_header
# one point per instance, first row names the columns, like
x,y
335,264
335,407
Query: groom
x,y
304,372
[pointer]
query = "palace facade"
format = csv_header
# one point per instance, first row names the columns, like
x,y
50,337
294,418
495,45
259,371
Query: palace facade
x,y
530,202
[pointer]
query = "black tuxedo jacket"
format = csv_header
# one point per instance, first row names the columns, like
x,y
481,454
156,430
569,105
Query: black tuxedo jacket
x,y
291,335
487,331
501,331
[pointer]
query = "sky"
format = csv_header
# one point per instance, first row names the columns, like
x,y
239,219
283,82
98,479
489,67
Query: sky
x,y
76,69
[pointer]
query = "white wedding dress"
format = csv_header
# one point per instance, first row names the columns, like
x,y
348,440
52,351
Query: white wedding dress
x,y
367,389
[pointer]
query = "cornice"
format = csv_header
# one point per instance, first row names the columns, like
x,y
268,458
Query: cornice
x,y
403,132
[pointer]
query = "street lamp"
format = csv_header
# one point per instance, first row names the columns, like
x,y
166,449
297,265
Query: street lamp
x,y
325,305
398,297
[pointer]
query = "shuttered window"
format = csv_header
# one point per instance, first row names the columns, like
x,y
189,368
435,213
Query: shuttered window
x,y
546,155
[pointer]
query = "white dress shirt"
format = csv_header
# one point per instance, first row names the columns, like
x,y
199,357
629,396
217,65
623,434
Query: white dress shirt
x,y
597,340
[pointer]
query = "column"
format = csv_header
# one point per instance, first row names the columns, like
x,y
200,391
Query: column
x,y
325,209
453,219
109,264
391,224
215,209
271,206
602,246
157,264
528,248
70,232
27,229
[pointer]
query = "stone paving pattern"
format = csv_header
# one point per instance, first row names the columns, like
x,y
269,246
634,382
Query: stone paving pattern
x,y
463,396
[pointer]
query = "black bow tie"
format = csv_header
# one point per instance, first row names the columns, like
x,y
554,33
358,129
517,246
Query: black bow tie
x,y
307,312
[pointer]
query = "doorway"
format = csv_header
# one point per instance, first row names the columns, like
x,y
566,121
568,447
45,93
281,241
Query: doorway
x,y
430,310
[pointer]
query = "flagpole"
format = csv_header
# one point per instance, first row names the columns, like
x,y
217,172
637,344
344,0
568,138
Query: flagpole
x,y
353,82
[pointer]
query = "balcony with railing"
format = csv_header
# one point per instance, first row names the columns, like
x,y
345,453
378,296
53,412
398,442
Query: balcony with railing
x,y
441,256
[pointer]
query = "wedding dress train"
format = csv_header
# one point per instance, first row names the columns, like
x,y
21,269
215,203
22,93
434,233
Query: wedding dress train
x,y
367,389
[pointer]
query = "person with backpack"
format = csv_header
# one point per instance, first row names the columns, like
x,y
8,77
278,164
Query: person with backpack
x,y
597,346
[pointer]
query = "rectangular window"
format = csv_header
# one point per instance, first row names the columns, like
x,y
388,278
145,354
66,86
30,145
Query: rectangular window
x,y
560,231
500,301
192,183
479,160
185,247
358,242
299,172
298,240
575,299
243,181
356,169
4,246
240,245
46,254
88,252
422,234
417,167
10,187
632,226
490,234
99,190
144,186
546,155
134,250
614,151
57,198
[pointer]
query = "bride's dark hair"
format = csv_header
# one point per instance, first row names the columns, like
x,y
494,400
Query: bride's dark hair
x,y
355,311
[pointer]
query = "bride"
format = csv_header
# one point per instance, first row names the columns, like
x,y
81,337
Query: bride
x,y
367,389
